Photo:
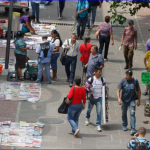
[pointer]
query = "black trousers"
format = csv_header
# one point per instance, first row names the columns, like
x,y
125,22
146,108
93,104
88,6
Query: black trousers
x,y
61,5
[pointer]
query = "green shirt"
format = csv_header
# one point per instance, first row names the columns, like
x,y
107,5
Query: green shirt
x,y
20,43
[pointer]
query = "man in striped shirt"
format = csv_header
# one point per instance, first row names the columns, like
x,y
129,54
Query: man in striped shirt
x,y
72,48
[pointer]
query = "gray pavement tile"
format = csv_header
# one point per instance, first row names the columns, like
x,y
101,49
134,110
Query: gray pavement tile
x,y
84,146
104,147
106,143
64,145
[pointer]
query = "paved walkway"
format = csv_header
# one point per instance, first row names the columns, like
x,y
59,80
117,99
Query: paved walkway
x,y
112,137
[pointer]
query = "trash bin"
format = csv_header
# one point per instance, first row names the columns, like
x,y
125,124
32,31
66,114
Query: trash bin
x,y
16,22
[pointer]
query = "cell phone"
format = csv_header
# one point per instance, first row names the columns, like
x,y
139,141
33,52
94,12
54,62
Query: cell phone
x,y
136,134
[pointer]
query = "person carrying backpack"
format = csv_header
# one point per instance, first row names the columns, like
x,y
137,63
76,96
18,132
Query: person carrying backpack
x,y
94,87
138,141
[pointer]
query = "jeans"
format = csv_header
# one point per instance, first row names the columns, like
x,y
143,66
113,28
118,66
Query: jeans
x,y
103,39
128,55
54,58
35,8
132,107
147,85
93,11
70,61
81,22
98,110
47,72
74,112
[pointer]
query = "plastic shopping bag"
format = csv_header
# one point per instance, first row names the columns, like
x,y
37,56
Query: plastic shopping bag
x,y
120,48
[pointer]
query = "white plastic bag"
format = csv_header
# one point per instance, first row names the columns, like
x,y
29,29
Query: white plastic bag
x,y
120,48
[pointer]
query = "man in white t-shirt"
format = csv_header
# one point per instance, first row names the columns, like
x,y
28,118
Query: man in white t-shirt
x,y
94,87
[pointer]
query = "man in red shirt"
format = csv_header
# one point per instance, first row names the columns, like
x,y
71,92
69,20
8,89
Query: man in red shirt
x,y
129,35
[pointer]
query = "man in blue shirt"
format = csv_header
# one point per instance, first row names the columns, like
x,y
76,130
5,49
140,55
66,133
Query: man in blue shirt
x,y
130,93
95,60
44,50
81,10
138,141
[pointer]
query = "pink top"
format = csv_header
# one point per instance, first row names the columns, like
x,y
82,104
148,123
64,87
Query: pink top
x,y
129,36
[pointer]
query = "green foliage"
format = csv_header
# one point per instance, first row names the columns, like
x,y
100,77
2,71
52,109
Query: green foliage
x,y
132,7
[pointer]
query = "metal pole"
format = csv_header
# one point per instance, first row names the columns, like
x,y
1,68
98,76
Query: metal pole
x,y
9,35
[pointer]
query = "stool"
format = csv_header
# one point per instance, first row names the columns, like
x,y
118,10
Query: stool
x,y
12,78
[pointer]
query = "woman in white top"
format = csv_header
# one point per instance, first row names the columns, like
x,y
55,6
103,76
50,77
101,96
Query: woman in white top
x,y
55,53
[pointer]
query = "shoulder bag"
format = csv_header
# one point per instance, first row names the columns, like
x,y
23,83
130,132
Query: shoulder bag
x,y
63,55
67,100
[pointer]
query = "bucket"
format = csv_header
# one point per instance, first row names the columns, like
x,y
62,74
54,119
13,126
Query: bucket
x,y
16,21
1,68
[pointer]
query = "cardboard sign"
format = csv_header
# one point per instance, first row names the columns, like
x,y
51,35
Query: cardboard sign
x,y
145,78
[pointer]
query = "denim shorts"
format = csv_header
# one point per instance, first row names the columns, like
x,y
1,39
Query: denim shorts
x,y
54,58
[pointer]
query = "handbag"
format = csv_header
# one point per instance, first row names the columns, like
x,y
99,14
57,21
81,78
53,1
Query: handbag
x,y
67,100
63,108
63,55
92,100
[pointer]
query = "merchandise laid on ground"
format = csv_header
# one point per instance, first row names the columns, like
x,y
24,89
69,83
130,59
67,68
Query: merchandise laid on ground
x,y
21,134
11,63
20,91
31,40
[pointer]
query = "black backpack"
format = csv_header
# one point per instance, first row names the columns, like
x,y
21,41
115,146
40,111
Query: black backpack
x,y
140,145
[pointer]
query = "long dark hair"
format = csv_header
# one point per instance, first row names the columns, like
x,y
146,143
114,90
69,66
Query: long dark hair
x,y
86,40
56,33
31,17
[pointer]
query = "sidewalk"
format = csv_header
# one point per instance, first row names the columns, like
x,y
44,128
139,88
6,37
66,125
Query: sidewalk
x,y
56,136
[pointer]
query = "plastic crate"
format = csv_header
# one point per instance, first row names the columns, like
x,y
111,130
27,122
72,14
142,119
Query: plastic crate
x,y
32,67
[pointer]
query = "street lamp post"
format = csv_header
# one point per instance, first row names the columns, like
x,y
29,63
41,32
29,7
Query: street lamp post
x,y
9,34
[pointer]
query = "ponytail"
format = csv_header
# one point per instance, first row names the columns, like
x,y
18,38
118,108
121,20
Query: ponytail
x,y
86,40
58,35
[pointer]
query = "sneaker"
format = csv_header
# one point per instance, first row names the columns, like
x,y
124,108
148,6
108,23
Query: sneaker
x,y
145,93
133,131
47,3
81,38
105,59
92,25
126,67
98,128
87,121
125,128
70,84
59,18
88,26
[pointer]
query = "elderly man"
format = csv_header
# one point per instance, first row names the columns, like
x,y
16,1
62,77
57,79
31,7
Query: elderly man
x,y
44,50
129,36
72,48
95,60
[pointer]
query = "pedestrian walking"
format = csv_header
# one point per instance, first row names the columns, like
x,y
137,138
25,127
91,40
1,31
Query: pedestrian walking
x,y
20,53
36,9
92,10
138,141
72,48
95,60
56,40
130,93
94,85
78,96
44,50
26,23
61,6
105,33
85,50
129,37
82,13
147,67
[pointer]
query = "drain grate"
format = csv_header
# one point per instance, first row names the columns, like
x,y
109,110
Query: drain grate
x,y
51,120
111,53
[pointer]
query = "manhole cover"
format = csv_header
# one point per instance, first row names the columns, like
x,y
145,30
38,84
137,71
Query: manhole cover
x,y
111,53
51,120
